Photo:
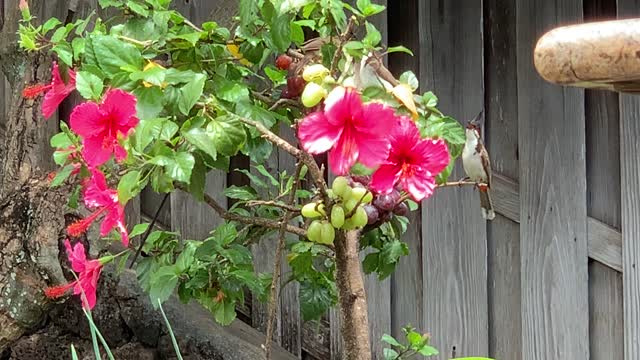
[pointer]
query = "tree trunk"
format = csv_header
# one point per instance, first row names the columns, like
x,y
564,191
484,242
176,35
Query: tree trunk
x,y
352,298
31,221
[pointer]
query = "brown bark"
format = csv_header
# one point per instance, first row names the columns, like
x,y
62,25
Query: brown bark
x,y
31,223
352,297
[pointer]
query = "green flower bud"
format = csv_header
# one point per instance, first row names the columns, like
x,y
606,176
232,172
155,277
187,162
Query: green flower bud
x,y
312,94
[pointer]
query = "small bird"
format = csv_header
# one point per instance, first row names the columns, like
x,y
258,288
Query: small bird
x,y
477,166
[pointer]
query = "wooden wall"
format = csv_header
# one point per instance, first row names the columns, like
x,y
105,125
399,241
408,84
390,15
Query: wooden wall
x,y
550,277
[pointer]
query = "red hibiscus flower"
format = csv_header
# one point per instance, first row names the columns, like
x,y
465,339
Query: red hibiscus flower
x,y
88,274
97,195
102,125
413,162
350,130
57,91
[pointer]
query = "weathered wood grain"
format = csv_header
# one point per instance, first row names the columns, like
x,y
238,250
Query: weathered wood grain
x,y
630,204
453,231
501,137
553,226
603,203
407,306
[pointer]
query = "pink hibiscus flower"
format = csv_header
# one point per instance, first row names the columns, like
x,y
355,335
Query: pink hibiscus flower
x,y
350,130
97,195
102,125
57,91
88,274
413,162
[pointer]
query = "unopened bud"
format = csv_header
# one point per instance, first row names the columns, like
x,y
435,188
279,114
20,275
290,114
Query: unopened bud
x,y
315,72
312,94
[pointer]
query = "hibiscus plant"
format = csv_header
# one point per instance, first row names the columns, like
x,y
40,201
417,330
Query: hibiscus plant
x,y
166,102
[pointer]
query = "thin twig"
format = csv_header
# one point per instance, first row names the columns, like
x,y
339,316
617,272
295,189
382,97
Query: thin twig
x,y
273,203
276,267
304,157
262,97
267,223
189,23
284,102
146,233
460,183
343,39
296,54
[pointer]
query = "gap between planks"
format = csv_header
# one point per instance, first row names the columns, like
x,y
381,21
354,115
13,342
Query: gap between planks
x,y
604,241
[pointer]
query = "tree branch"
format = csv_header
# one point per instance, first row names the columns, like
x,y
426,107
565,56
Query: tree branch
x,y
315,172
343,39
276,267
267,223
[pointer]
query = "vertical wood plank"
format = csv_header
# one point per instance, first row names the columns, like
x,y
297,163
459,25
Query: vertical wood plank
x,y
630,204
553,242
291,321
406,282
501,135
453,231
603,203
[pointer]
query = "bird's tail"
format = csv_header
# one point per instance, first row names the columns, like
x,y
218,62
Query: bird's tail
x,y
487,205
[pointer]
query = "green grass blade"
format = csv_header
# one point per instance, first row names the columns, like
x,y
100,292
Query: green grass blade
x,y
173,338
74,355
96,333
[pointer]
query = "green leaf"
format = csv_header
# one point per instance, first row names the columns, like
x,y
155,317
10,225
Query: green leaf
x,y
78,47
431,351
444,175
64,52
59,34
154,75
232,91
129,186
225,312
138,8
372,9
190,93
186,257
139,229
415,339
62,175
403,49
240,192
89,85
390,340
163,282
180,167
60,141
112,55
49,25
373,37
202,141
281,32
315,300
409,78
430,99
261,169
149,104
277,77
228,134
192,37
390,354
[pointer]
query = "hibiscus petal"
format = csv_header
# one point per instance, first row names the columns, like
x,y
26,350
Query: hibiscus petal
x,y
119,152
372,151
86,120
433,155
94,152
316,134
115,219
58,92
341,105
420,186
344,154
385,178
76,256
375,118
120,106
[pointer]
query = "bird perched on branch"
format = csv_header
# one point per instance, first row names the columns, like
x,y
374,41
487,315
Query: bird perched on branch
x,y
477,166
